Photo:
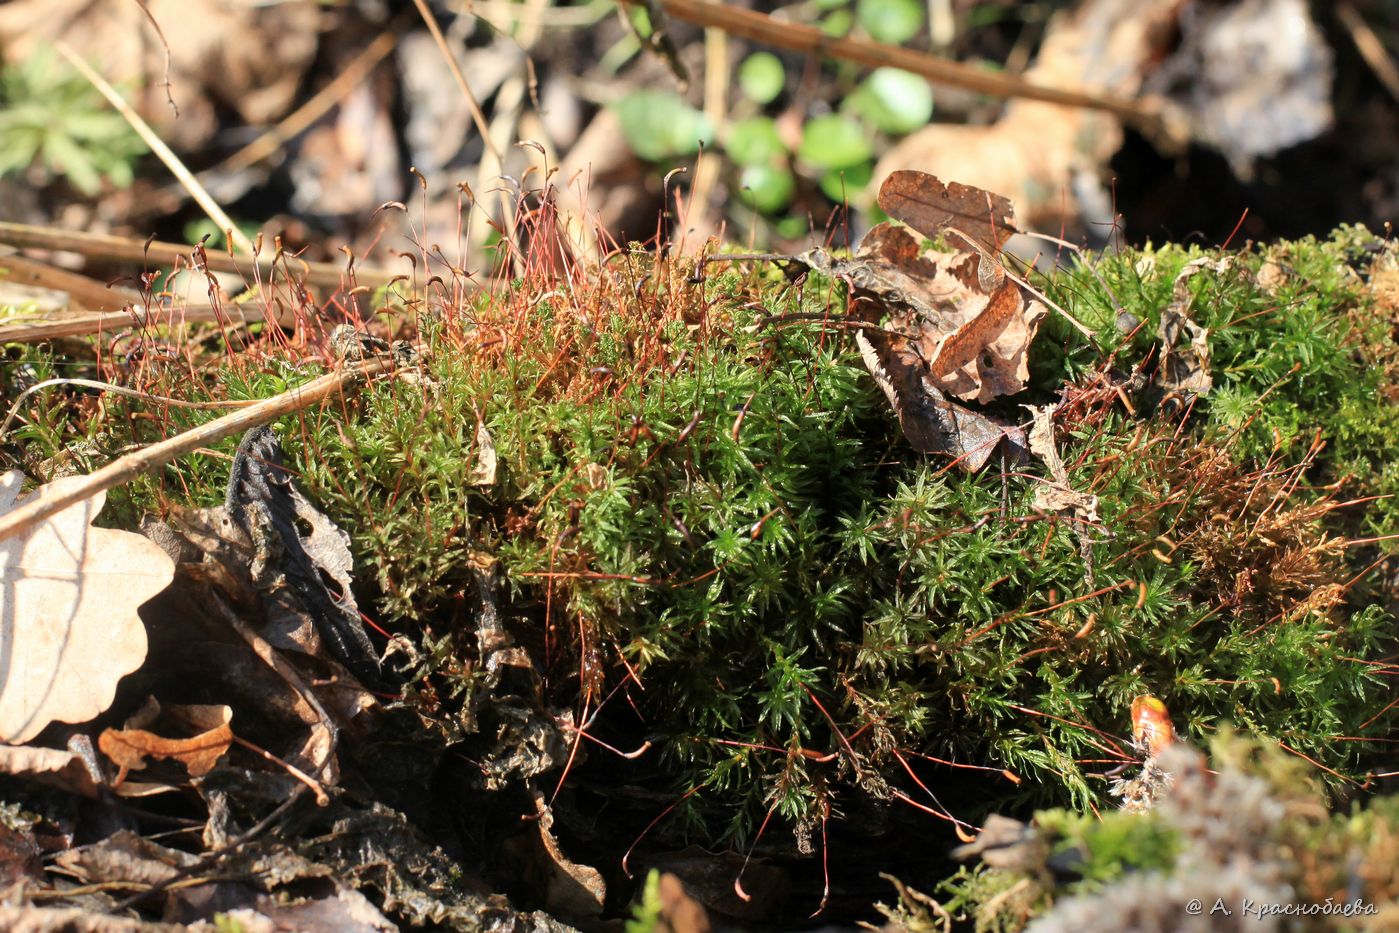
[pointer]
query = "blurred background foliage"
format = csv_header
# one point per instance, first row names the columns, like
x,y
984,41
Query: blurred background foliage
x,y
303,118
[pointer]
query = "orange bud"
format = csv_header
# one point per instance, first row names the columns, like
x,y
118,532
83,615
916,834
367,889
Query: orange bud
x,y
1151,725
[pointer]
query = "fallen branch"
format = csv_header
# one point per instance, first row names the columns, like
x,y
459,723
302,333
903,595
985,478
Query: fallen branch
x,y
131,249
177,168
1148,116
90,293
80,325
127,468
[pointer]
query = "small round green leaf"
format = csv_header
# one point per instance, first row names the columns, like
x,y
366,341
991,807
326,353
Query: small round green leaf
x,y
896,101
841,185
761,77
792,228
837,23
834,141
755,142
768,188
893,21
659,125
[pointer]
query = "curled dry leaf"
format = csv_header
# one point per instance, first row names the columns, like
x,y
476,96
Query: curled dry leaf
x,y
978,218
949,323
483,471
124,857
297,552
130,747
572,890
1185,364
963,345
972,345
1057,496
55,766
68,612
930,422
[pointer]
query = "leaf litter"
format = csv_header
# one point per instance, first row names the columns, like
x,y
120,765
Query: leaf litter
x,y
945,325
68,612
130,746
1185,346
945,333
258,615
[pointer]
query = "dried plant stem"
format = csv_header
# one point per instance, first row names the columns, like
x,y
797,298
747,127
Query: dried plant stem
x,y
1370,46
166,154
80,325
1085,331
313,785
809,40
90,293
716,97
127,468
300,119
477,116
131,249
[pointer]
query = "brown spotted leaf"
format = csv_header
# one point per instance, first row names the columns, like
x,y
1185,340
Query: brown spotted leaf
x,y
930,207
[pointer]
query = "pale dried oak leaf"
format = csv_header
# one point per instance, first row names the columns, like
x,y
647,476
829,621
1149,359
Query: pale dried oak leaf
x,y
68,624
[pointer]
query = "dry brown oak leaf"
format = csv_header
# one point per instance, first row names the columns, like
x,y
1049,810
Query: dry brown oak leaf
x,y
930,206
68,624
971,325
949,323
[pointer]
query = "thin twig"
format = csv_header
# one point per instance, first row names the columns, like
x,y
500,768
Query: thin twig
x,y
1086,331
1150,117
472,104
116,390
164,44
300,119
1370,47
164,152
90,293
269,656
131,249
127,468
313,785
1091,266
80,325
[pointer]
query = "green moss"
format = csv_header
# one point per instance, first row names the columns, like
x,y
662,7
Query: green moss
x,y
715,506
1251,834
